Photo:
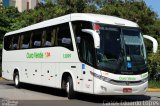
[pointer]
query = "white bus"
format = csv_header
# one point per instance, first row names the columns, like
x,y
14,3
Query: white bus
x,y
79,52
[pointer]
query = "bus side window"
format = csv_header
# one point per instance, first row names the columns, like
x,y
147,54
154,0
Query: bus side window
x,y
25,41
48,42
64,36
8,42
49,37
37,39
15,45
86,49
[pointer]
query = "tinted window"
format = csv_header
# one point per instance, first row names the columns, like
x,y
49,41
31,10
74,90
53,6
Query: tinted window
x,y
79,25
85,44
15,45
8,42
48,40
64,36
37,38
58,35
25,41
86,48
109,43
49,37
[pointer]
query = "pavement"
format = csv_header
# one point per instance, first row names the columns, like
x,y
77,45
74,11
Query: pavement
x,y
31,95
148,90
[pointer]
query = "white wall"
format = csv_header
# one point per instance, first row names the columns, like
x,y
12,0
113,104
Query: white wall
x,y
21,5
32,4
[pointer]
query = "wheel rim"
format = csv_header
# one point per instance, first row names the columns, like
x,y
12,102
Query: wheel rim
x,y
67,87
16,80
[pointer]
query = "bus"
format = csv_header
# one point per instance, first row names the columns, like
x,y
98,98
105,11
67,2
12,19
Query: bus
x,y
79,52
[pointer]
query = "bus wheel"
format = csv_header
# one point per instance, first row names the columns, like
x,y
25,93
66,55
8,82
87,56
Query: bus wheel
x,y
16,80
69,88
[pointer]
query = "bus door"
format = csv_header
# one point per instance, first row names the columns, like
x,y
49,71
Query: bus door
x,y
85,48
86,55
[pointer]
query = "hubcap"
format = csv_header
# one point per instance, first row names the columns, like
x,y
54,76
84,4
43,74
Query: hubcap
x,y
16,79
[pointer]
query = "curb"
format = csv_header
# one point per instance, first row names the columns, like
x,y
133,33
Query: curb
x,y
153,90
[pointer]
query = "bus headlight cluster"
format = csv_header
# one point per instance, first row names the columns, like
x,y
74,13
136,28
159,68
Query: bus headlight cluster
x,y
101,77
144,80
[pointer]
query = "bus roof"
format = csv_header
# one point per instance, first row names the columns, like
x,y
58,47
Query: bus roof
x,y
97,18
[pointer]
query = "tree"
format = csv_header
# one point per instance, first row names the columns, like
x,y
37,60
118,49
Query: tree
x,y
136,11
1,6
7,18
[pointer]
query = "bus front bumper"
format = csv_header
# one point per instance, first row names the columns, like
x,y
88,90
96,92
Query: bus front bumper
x,y
105,88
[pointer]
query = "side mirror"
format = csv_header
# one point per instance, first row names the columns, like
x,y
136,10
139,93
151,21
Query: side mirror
x,y
95,36
154,42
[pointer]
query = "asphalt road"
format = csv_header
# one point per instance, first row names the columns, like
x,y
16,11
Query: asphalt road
x,y
31,95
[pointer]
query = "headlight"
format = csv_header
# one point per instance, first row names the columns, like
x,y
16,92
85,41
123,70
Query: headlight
x,y
144,80
101,77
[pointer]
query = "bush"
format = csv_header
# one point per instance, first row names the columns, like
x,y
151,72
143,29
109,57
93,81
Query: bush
x,y
153,64
154,84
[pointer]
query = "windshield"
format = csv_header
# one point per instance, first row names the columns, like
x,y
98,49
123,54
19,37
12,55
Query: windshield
x,y
121,49
133,42
110,44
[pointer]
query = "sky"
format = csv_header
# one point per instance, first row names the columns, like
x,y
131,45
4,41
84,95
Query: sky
x,y
154,5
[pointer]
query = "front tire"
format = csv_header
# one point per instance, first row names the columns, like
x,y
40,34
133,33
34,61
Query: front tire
x,y
69,88
16,80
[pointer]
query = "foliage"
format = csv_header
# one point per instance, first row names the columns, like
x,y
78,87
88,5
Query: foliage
x,y
153,64
154,84
41,13
7,18
137,12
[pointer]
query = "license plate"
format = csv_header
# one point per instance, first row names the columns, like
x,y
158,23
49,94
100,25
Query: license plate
x,y
127,90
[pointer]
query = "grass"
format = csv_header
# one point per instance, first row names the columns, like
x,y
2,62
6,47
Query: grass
x,y
154,84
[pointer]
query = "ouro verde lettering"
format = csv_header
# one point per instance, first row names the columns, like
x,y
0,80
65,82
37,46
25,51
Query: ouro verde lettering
x,y
34,55
127,78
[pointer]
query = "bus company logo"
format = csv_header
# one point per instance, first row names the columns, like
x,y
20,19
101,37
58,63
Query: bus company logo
x,y
38,55
121,78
